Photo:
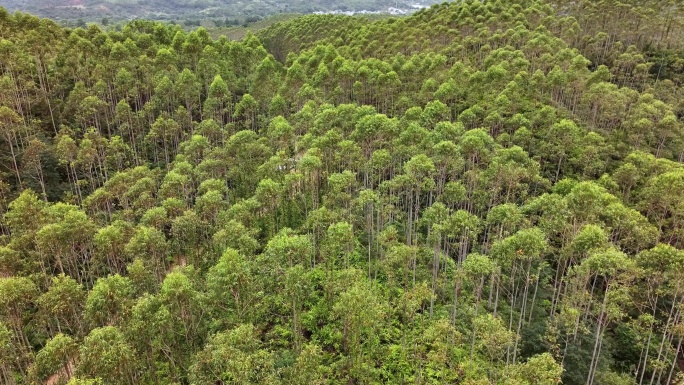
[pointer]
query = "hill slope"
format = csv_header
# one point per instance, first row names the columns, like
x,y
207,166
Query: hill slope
x,y
481,193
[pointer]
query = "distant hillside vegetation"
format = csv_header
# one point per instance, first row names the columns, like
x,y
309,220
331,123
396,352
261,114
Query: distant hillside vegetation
x,y
226,12
484,192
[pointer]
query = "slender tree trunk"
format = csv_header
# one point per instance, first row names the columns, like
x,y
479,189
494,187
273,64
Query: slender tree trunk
x,y
597,339
557,286
664,339
513,298
496,298
15,166
645,355
534,296
648,346
661,370
478,293
674,361
521,315
435,269
457,288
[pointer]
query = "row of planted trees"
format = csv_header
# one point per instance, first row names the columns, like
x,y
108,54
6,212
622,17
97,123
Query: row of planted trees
x,y
146,106
398,229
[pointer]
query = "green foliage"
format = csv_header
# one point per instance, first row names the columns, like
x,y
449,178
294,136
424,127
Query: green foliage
x,y
483,192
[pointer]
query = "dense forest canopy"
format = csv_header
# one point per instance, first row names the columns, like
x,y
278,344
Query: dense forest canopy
x,y
486,192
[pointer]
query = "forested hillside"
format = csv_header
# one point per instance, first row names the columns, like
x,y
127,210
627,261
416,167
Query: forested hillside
x,y
486,192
